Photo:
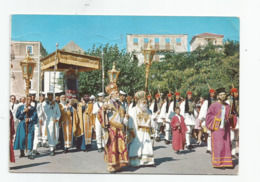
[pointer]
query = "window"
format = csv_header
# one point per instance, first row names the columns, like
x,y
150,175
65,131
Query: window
x,y
135,41
156,43
178,41
29,47
146,40
167,43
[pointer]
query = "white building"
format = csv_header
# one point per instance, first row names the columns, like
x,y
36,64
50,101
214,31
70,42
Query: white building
x,y
163,44
202,40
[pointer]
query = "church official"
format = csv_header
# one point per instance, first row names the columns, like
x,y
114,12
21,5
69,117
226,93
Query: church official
x,y
113,117
85,123
140,148
67,123
217,120
52,112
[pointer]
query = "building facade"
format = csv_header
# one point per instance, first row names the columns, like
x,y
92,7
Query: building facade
x,y
18,52
202,40
163,44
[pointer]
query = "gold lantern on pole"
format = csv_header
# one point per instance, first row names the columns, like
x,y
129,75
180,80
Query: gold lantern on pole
x,y
148,53
27,65
113,74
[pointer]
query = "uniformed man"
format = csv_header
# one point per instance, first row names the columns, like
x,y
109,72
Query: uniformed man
x,y
99,132
233,101
156,109
164,115
189,112
203,113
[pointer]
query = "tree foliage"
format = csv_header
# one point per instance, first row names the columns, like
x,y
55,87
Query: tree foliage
x,y
131,77
215,65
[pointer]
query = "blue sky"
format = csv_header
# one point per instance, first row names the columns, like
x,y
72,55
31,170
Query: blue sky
x,y
100,30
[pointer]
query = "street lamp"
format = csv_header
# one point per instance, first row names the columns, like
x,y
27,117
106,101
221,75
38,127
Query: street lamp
x,y
113,74
28,66
148,53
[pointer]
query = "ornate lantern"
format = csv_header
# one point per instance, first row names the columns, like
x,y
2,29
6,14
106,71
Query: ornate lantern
x,y
28,66
148,53
113,74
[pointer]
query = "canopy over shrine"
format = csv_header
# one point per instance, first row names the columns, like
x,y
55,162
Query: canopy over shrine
x,y
70,61
71,64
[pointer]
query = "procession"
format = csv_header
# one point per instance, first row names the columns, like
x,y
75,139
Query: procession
x,y
155,107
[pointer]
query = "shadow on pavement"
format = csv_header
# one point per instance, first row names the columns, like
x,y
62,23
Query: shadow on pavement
x,y
158,147
187,151
158,161
28,165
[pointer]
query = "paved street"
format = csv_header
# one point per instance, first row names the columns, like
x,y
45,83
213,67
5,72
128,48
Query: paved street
x,y
167,162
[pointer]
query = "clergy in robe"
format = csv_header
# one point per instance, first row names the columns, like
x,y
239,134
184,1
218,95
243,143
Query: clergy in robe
x,y
179,130
113,117
217,120
140,148
26,114
86,122
67,123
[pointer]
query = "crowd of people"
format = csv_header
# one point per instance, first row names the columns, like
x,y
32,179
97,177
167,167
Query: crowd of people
x,y
126,127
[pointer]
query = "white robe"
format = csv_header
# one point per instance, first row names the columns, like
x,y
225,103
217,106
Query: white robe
x,y
140,149
52,112
189,119
100,142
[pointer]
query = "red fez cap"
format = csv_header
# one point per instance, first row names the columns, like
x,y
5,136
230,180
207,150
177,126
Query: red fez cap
x,y
189,92
157,95
148,96
177,93
234,90
212,91
169,94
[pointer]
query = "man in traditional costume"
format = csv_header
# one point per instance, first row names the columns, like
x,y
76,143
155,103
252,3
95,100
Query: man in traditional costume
x,y
202,116
233,101
99,130
25,130
67,123
52,112
164,115
179,130
156,109
113,118
217,120
140,148
189,113
85,125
